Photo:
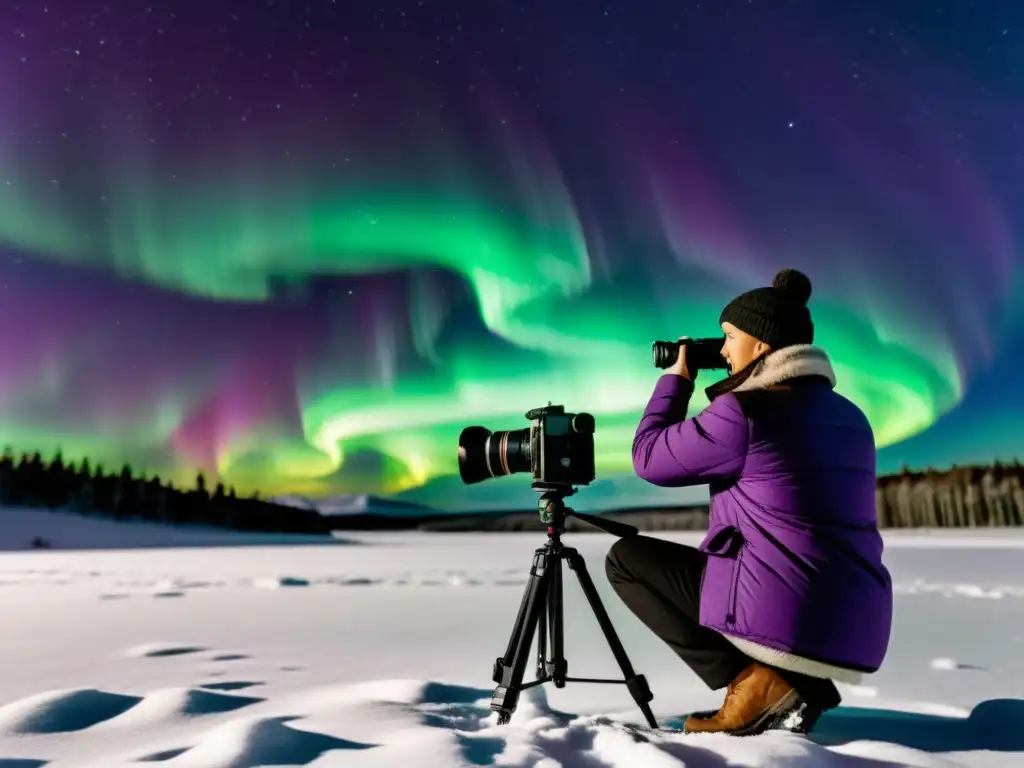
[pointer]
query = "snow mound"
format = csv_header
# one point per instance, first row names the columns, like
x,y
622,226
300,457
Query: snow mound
x,y
157,650
945,664
277,582
172,704
244,743
228,685
62,711
437,723
168,585
441,724
383,723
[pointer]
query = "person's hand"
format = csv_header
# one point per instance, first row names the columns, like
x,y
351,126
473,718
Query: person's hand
x,y
679,366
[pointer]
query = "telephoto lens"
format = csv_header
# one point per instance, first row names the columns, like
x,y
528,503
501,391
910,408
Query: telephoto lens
x,y
701,354
665,353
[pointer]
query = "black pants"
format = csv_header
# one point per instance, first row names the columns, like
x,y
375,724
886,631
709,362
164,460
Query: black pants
x,y
660,582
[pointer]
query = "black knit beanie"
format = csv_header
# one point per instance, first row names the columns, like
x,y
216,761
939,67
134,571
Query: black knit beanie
x,y
778,316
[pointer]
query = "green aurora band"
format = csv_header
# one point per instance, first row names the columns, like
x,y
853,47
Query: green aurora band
x,y
533,283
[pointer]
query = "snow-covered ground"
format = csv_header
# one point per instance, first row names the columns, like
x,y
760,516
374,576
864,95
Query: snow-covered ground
x,y
379,655
64,530
357,504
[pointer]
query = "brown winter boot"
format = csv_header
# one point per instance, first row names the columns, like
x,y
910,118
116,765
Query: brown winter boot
x,y
753,701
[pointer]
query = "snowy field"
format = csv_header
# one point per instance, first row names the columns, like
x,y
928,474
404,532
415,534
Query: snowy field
x,y
378,652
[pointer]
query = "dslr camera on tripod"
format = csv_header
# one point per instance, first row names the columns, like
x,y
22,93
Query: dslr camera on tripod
x,y
557,449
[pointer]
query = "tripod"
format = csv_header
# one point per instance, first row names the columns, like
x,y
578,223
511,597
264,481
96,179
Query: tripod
x,y
541,611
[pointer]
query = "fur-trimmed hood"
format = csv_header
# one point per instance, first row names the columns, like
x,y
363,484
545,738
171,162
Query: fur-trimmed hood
x,y
776,367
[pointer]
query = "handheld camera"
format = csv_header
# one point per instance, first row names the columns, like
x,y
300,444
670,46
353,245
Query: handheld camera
x,y
701,354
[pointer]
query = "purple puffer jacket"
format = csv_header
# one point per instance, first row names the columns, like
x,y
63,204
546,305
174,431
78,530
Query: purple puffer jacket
x,y
794,553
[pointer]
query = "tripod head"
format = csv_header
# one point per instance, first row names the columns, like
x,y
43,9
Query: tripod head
x,y
553,512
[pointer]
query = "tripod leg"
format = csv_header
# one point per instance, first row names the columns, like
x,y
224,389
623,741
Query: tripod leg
x,y
508,671
517,626
557,667
543,631
637,684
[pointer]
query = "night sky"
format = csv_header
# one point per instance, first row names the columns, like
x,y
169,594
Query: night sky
x,y
300,245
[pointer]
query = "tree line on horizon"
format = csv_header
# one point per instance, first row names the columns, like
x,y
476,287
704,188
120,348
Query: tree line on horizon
x,y
30,481
973,496
961,497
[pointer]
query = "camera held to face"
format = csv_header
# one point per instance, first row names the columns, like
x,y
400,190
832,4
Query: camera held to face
x,y
701,354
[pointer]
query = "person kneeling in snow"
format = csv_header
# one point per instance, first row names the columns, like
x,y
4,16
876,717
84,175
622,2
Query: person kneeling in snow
x,y
787,592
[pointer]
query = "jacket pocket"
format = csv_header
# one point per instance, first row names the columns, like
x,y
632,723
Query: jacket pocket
x,y
730,616
723,541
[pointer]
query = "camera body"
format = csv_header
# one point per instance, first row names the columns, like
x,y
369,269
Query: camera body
x,y
561,446
701,354
557,449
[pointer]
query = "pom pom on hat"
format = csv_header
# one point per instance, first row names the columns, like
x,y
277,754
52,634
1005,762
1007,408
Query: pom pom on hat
x,y
795,283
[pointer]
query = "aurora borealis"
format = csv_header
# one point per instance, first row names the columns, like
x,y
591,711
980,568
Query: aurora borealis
x,y
300,246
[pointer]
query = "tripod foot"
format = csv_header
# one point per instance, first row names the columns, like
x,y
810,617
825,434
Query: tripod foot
x,y
645,709
504,701
641,693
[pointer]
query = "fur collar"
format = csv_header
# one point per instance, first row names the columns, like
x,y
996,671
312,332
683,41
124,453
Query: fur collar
x,y
776,367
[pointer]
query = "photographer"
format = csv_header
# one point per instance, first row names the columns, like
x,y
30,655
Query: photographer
x,y
787,592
